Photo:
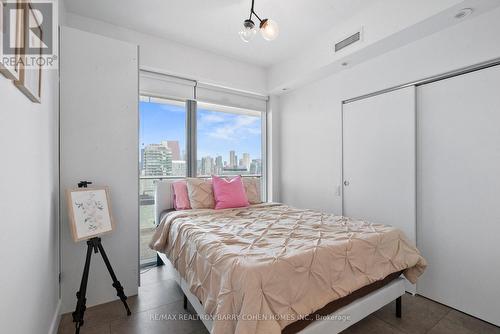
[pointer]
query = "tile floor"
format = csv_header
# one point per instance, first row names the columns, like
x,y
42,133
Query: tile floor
x,y
160,296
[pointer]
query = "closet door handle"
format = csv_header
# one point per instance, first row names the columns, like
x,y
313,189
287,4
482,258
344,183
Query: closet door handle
x,y
346,183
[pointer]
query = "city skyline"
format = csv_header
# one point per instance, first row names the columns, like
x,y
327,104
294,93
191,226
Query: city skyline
x,y
161,159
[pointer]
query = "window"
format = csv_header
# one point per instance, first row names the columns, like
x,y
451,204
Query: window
x,y
229,141
163,138
162,145
183,138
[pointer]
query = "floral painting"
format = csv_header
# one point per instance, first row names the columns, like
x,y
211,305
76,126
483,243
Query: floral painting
x,y
89,213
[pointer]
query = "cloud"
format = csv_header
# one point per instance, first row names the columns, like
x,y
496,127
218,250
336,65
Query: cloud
x,y
207,120
236,129
211,118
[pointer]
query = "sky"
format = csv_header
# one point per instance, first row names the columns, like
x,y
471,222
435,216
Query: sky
x,y
218,132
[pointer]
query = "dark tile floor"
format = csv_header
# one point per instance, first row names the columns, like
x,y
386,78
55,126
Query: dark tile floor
x,y
160,299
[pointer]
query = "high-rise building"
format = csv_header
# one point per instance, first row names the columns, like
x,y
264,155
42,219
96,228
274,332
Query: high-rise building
x,y
173,145
218,165
207,166
233,159
246,161
256,167
218,161
179,168
157,160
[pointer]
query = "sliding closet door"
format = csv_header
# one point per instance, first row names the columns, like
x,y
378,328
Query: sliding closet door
x,y
459,192
379,159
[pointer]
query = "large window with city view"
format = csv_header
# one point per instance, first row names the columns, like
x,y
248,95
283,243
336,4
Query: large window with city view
x,y
228,142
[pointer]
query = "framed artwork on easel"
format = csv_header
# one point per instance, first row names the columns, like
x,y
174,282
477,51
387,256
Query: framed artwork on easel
x,y
89,212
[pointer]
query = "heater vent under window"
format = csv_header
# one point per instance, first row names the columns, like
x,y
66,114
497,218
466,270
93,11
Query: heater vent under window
x,y
348,41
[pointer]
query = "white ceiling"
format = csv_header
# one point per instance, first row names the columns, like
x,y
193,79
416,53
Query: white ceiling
x,y
213,25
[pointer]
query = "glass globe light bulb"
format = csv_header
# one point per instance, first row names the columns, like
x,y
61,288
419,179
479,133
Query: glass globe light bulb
x,y
248,31
269,29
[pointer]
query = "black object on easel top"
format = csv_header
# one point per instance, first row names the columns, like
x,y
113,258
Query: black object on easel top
x,y
83,184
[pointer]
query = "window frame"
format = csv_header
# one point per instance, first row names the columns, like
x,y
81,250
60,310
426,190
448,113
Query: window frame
x,y
191,107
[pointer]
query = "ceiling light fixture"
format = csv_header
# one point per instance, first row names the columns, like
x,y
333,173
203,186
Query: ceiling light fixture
x,y
268,28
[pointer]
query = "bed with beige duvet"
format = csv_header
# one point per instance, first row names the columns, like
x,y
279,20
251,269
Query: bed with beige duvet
x,y
270,268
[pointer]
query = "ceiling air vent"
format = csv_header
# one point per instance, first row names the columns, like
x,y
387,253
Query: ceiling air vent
x,y
348,41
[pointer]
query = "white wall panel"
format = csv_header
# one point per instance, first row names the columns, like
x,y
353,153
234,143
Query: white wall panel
x,y
99,138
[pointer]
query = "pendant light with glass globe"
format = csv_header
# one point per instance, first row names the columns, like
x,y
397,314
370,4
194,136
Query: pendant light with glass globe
x,y
268,28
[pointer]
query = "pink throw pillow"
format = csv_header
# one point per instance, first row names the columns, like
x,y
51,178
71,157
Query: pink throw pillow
x,y
181,197
229,193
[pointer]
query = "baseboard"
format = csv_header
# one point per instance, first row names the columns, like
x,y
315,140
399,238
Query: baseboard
x,y
54,325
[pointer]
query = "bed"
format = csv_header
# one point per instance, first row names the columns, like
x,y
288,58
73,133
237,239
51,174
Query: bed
x,y
271,268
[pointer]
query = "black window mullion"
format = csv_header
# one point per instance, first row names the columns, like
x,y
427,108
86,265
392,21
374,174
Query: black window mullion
x,y
191,138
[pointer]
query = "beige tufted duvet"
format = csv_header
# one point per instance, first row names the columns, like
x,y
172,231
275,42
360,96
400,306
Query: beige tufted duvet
x,y
258,269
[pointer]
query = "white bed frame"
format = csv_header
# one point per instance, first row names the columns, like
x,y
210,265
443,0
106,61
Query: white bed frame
x,y
356,311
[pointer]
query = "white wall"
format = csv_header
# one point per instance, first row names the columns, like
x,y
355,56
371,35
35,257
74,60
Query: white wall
x,y
309,130
397,28
176,59
29,207
99,138
273,149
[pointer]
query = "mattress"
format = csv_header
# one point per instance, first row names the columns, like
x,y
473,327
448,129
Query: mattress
x,y
337,304
260,269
